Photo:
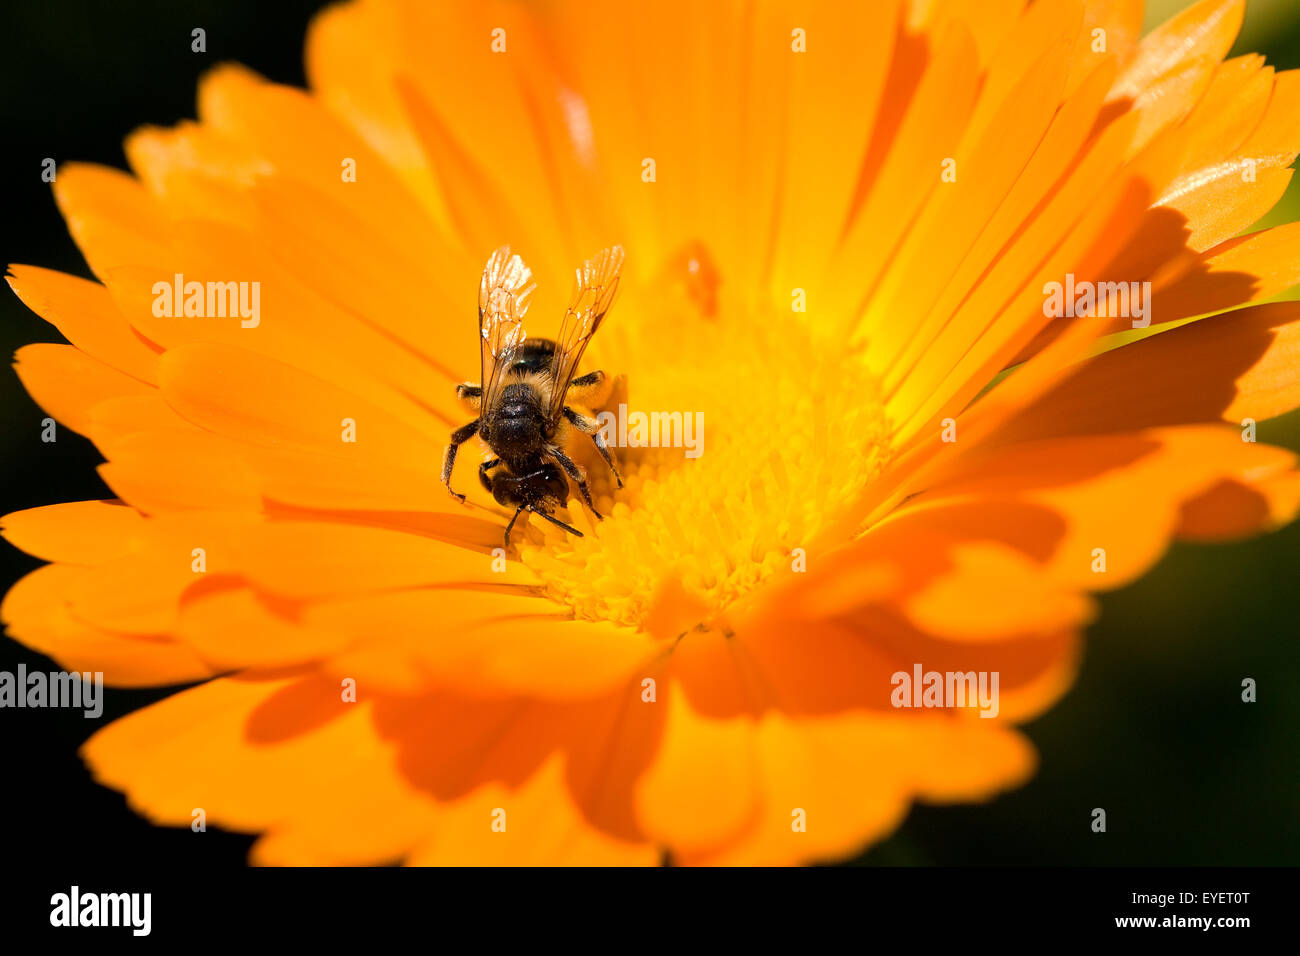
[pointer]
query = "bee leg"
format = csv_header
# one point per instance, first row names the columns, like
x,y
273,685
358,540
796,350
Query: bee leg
x,y
471,395
590,389
556,521
483,473
589,426
458,438
573,471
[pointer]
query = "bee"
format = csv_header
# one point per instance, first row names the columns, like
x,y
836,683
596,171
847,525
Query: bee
x,y
526,384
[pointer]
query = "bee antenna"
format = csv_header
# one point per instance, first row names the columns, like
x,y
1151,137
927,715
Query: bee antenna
x,y
556,521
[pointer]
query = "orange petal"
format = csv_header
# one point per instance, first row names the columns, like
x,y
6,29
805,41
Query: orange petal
x,y
303,560
68,383
258,753
79,532
1238,365
84,312
479,643
232,627
1118,494
1235,509
36,612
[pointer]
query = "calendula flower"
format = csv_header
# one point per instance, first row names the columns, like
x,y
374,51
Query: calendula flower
x,y
844,223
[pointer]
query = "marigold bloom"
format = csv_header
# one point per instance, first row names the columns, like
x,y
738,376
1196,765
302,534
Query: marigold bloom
x,y
840,222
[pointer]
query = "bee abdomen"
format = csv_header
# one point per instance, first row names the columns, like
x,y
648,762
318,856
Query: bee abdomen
x,y
534,355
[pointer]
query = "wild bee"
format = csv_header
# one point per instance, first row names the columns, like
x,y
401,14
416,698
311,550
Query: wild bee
x,y
525,387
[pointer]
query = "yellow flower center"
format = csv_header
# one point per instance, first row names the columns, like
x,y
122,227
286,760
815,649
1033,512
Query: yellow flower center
x,y
791,428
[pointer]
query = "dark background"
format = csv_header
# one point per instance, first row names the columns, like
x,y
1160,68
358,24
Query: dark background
x,y
1154,730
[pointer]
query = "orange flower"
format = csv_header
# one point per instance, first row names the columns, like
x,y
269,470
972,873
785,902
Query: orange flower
x,y
842,222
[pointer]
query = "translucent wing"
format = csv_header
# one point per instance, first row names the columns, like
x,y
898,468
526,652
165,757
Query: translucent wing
x,y
502,301
597,281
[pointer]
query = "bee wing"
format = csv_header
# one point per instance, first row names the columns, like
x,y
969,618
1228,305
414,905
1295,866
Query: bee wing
x,y
503,296
597,282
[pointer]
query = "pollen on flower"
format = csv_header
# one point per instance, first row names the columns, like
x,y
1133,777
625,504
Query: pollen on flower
x,y
791,428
